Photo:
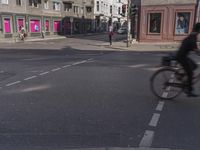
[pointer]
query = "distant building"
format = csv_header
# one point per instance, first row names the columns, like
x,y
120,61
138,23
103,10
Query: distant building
x,y
109,11
163,20
51,16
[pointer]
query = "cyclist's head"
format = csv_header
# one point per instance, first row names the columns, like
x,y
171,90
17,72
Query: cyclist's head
x,y
196,28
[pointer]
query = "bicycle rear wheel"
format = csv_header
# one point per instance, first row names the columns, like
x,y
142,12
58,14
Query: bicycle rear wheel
x,y
160,83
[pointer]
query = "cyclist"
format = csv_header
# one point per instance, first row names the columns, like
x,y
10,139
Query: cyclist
x,y
189,44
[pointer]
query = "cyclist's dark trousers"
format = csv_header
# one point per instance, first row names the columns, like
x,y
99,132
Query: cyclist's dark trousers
x,y
188,65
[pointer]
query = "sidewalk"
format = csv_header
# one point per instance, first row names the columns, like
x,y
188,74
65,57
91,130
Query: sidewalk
x,y
46,38
73,42
122,149
141,47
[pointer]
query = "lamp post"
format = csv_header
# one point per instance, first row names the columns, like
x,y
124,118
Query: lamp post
x,y
83,16
128,24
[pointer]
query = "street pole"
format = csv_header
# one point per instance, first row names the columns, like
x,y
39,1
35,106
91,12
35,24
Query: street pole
x,y
197,11
128,23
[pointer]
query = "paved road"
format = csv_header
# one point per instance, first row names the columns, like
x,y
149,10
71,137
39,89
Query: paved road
x,y
53,99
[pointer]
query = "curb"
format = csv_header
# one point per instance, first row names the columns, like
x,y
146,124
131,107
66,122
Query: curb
x,y
121,148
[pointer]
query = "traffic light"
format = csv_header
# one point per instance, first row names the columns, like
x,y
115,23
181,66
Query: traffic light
x,y
123,10
133,10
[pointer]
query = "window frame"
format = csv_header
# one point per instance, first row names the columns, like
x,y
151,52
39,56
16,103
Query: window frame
x,y
175,22
57,7
4,2
18,2
149,19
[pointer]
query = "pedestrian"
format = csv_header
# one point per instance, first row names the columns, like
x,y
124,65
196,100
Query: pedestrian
x,y
110,33
22,33
43,32
189,44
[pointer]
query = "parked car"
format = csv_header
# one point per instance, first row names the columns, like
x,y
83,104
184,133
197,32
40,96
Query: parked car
x,y
122,30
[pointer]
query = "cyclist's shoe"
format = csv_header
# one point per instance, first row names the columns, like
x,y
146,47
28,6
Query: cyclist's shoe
x,y
192,94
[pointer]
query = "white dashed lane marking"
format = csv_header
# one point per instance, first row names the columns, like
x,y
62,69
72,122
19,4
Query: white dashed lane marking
x,y
138,66
29,78
47,72
154,120
44,73
66,66
56,69
160,106
13,83
81,62
147,139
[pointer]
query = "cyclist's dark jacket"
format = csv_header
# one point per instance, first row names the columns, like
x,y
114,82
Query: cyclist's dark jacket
x,y
188,44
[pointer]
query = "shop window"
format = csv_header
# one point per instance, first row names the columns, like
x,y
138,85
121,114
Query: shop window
x,y
7,27
20,24
35,26
154,23
182,23
47,26
56,26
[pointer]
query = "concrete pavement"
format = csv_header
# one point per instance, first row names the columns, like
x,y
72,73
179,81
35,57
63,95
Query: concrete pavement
x,y
85,42
141,47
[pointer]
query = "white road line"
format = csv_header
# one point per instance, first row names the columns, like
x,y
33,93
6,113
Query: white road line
x,y
34,59
154,120
66,66
44,73
160,106
80,62
151,69
29,78
90,59
56,69
147,139
13,83
138,65
165,94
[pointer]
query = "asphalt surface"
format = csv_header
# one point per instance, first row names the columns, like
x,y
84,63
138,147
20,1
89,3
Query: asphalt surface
x,y
59,99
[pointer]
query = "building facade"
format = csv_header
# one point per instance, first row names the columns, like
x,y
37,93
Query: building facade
x,y
163,20
106,11
51,16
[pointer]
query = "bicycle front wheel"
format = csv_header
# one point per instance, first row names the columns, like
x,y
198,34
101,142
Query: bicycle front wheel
x,y
159,83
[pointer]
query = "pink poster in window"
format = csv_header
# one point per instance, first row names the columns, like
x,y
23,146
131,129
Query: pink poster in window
x,y
7,28
47,25
20,23
35,25
56,26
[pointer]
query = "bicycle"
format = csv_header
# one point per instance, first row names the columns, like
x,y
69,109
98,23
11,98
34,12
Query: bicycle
x,y
171,78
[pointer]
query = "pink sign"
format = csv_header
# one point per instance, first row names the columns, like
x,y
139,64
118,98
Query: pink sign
x,y
20,23
35,25
56,26
7,28
47,25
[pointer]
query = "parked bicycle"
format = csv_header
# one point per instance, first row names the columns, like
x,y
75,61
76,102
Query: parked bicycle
x,y
170,80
